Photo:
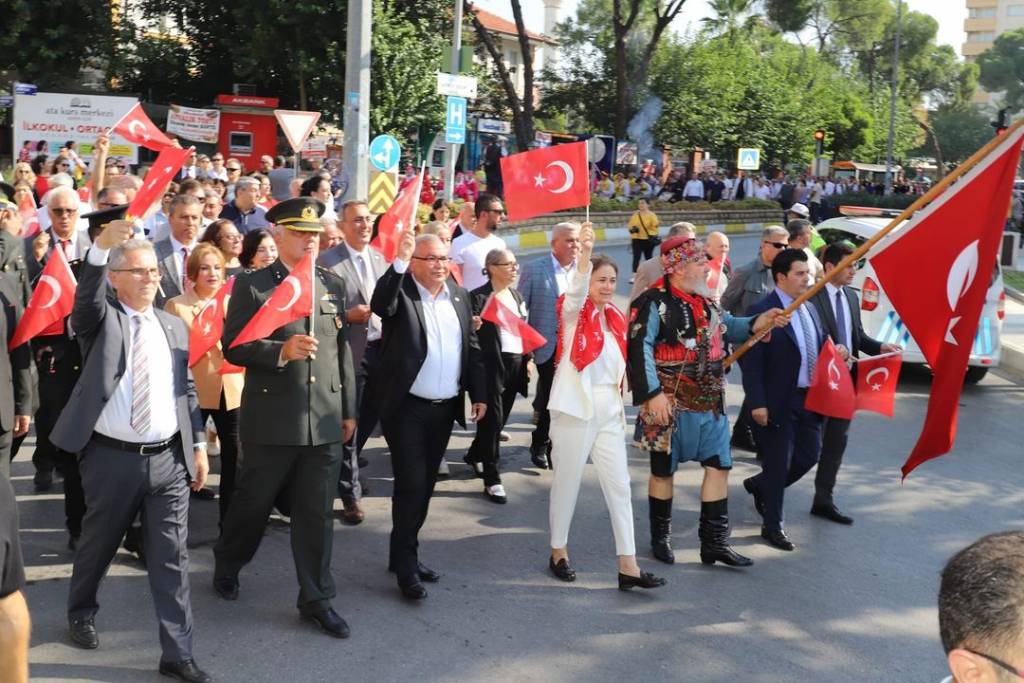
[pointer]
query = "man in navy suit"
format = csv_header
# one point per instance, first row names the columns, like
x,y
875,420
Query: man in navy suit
x,y
776,376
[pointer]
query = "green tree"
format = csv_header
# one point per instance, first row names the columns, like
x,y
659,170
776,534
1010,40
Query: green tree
x,y
960,130
731,18
1002,67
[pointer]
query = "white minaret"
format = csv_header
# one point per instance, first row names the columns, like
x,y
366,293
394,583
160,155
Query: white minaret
x,y
551,17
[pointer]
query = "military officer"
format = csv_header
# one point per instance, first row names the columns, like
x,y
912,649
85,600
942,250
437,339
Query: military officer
x,y
298,409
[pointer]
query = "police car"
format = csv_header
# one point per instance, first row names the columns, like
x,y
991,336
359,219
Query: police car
x,y
881,320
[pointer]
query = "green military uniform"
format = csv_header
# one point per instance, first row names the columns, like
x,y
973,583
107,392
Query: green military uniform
x,y
291,422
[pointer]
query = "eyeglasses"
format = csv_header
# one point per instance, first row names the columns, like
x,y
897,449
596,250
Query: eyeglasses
x,y
140,273
509,264
63,212
231,237
777,245
1000,663
433,259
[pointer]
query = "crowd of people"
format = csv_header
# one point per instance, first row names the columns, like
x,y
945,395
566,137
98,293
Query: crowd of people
x,y
128,417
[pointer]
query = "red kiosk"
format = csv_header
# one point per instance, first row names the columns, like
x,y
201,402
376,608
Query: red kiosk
x,y
248,129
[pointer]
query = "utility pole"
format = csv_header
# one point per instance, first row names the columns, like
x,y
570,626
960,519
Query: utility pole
x,y
357,99
453,148
892,97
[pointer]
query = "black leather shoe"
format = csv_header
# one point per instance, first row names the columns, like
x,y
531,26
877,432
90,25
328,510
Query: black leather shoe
x,y
72,542
133,543
427,574
777,538
363,462
539,457
412,590
43,480
561,569
329,622
185,670
758,500
226,587
832,513
478,468
83,633
645,580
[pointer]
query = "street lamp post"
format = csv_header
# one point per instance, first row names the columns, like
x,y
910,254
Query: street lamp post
x,y
892,98
357,99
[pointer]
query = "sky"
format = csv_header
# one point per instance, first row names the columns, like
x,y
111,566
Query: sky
x,y
949,13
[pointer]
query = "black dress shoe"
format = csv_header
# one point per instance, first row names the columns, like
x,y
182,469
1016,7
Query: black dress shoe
x,y
748,486
427,574
329,622
43,480
777,538
226,587
831,512
539,457
363,462
478,468
185,670
83,633
645,580
133,543
561,569
413,590
72,542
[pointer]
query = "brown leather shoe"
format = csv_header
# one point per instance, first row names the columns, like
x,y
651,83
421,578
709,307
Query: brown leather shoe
x,y
352,513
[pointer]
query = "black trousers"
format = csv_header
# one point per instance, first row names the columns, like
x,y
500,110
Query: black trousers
x,y
486,446
117,486
368,418
789,445
642,249
226,422
835,433
545,378
417,434
310,474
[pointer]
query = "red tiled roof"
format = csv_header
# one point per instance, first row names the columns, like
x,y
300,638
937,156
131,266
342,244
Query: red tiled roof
x,y
492,22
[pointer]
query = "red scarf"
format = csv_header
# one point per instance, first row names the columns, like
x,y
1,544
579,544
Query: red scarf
x,y
588,341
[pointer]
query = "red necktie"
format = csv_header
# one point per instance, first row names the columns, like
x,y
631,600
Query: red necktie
x,y
184,265
65,245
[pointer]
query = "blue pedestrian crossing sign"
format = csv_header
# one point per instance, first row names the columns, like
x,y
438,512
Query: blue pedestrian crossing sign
x,y
748,159
455,120
385,152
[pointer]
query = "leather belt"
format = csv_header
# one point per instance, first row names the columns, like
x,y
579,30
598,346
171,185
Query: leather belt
x,y
433,401
137,448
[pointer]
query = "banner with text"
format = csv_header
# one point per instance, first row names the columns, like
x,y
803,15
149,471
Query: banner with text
x,y
56,118
199,125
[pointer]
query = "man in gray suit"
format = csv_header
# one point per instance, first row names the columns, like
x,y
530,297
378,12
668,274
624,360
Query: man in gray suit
x,y
62,204
134,418
186,219
541,282
359,266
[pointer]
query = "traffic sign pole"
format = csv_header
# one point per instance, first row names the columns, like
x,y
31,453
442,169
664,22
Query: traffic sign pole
x,y
357,99
453,149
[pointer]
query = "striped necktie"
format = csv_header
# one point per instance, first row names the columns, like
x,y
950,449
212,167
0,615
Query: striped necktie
x,y
810,342
140,419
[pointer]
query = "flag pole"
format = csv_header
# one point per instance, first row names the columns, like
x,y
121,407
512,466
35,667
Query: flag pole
x,y
918,204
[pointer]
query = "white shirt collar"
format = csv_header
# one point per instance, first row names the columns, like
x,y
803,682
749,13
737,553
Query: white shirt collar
x,y
559,267
178,246
352,252
131,312
832,289
425,294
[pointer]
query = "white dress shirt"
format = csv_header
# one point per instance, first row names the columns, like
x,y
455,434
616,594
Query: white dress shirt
x,y
609,367
115,419
72,247
510,343
562,274
441,370
842,313
797,320
179,258
361,262
471,251
694,188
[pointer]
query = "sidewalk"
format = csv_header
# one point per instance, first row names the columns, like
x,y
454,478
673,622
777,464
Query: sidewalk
x,y
1013,337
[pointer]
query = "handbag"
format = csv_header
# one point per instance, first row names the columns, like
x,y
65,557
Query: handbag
x,y
653,239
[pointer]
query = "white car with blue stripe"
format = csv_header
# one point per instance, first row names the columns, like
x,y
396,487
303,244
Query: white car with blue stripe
x,y
881,320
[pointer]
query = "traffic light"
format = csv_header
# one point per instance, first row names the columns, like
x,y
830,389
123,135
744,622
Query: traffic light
x,y
1000,123
819,142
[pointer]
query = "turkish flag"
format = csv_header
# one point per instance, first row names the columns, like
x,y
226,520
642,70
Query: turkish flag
x,y
544,180
877,378
208,325
163,170
136,128
501,315
937,271
831,391
397,219
51,302
291,300
29,213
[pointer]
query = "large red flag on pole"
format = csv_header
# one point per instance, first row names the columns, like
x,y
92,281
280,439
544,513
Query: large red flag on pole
x,y
544,180
291,300
167,164
138,129
936,270
51,302
401,216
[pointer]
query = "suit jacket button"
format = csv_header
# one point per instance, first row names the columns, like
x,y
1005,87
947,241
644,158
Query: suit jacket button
x,y
312,379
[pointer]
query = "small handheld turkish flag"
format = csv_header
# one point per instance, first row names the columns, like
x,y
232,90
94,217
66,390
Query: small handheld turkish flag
x,y
29,213
138,129
401,216
291,300
167,164
877,378
544,180
51,302
831,391
501,315
208,325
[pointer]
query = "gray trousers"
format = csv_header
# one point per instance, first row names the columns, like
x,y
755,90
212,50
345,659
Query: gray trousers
x,y
117,485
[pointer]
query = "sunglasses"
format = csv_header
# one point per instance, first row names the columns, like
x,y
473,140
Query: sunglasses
x,y
777,245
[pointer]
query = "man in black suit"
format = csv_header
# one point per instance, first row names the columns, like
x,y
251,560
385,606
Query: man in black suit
x,y
776,376
839,310
134,418
429,357
298,409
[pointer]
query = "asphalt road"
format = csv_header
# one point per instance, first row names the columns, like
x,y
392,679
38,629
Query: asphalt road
x,y
851,604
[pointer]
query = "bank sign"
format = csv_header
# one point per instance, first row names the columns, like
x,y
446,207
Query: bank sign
x,y
56,118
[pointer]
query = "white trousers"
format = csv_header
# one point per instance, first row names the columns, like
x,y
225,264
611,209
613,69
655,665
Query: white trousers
x,y
603,439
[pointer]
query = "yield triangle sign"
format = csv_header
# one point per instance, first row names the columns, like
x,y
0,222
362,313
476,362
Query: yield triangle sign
x,y
297,125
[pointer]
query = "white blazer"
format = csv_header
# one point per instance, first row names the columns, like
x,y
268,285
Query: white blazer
x,y
572,391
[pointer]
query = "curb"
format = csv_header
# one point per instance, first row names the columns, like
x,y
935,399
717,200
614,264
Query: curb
x,y
1012,359
539,239
1014,294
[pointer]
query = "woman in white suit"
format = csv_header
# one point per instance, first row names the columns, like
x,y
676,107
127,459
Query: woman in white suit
x,y
587,417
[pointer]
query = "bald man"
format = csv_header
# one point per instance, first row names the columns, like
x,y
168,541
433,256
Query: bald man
x,y
650,271
717,247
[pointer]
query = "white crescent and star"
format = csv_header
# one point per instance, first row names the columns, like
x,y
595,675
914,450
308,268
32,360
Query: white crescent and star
x,y
961,276
569,177
833,375
54,288
131,129
292,281
877,386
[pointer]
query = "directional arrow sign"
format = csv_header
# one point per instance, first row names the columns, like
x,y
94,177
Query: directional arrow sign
x,y
748,159
297,125
455,136
385,152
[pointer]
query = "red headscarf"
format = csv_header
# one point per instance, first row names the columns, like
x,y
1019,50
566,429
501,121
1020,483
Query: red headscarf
x,y
588,342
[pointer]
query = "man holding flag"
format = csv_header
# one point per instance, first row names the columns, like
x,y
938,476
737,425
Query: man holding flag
x,y
286,326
